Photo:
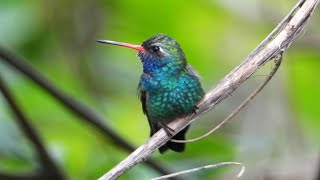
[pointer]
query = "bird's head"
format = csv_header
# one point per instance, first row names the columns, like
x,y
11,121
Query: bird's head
x,y
157,52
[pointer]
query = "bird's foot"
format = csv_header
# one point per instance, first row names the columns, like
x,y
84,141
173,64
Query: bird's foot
x,y
195,109
169,131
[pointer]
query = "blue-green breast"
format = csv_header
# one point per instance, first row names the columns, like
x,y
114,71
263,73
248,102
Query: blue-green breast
x,y
171,95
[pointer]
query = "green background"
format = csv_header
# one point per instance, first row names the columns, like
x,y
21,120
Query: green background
x,y
279,130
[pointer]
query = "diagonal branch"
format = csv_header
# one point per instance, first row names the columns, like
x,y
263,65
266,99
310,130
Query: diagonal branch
x,y
80,110
75,107
278,41
228,119
50,169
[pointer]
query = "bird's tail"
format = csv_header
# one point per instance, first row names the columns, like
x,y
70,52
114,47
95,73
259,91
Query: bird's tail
x,y
177,147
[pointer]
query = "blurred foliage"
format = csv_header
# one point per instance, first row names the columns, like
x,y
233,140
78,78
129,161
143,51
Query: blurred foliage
x,y
58,38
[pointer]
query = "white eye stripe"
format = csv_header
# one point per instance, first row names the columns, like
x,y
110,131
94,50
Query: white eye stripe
x,y
163,52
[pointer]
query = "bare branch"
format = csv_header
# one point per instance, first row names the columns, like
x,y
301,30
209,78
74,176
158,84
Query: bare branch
x,y
278,41
77,108
49,166
204,167
241,106
80,110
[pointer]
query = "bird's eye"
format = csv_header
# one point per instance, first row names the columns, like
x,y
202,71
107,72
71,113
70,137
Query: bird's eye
x,y
155,48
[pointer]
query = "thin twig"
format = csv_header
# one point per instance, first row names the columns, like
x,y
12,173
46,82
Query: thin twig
x,y
276,43
80,110
203,168
49,166
277,29
228,119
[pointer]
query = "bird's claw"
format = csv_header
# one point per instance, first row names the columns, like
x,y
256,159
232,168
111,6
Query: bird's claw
x,y
195,109
169,131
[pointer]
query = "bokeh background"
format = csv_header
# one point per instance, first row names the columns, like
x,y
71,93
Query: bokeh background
x,y
277,136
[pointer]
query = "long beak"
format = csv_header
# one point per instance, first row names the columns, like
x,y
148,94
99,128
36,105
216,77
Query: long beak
x,y
131,46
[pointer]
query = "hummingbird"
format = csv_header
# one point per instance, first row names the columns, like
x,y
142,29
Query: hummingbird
x,y
169,87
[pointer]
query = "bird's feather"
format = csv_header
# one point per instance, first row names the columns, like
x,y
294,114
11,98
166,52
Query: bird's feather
x,y
154,126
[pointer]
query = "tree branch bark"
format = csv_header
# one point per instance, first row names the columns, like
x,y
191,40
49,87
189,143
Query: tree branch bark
x,y
50,169
80,110
278,41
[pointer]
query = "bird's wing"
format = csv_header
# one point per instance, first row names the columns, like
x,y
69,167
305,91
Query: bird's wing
x,y
143,97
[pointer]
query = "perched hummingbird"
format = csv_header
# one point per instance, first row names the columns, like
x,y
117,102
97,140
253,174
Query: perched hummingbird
x,y
169,87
